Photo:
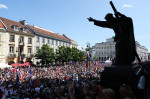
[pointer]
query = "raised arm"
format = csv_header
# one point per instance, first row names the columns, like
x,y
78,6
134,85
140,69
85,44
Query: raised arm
x,y
104,24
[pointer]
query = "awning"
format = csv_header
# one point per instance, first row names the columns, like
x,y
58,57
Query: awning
x,y
17,64
21,65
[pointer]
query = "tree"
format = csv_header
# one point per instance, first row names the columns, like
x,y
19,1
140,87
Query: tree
x,y
75,54
95,57
67,54
46,54
81,55
88,46
61,54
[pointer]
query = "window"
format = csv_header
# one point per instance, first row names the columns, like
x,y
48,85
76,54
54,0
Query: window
x,y
37,48
48,41
21,39
29,40
11,50
59,43
29,50
37,39
52,42
15,27
24,29
56,42
43,40
12,38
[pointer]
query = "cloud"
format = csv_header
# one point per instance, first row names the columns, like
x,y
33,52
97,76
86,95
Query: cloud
x,y
3,6
127,5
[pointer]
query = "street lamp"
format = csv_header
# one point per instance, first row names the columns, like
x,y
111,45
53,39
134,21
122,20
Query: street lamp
x,y
18,51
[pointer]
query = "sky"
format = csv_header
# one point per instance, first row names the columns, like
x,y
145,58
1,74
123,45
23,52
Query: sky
x,y
70,17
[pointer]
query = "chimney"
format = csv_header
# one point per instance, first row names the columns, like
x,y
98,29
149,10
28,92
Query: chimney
x,y
23,22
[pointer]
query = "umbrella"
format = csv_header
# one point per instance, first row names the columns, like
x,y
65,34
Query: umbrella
x,y
2,65
16,65
107,61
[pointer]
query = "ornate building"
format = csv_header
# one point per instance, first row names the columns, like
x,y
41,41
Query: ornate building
x,y
106,50
44,36
142,51
16,40
21,39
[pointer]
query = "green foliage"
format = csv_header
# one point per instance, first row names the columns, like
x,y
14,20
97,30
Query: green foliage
x,y
66,54
88,46
63,54
46,54
95,57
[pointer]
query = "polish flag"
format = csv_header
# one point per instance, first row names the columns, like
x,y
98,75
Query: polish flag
x,y
59,69
21,76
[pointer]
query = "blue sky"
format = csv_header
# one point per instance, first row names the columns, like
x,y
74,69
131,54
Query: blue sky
x,y
70,17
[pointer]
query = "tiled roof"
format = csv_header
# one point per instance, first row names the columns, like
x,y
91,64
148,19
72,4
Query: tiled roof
x,y
10,23
38,30
1,25
68,38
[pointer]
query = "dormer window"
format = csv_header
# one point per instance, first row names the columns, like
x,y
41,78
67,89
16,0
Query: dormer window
x,y
15,27
24,29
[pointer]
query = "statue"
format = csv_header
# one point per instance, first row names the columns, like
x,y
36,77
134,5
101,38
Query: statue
x,y
124,36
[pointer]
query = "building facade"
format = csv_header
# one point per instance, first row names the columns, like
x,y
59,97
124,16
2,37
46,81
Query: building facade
x,y
44,36
21,39
106,50
16,42
142,51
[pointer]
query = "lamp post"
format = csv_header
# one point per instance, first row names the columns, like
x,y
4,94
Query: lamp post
x,y
18,51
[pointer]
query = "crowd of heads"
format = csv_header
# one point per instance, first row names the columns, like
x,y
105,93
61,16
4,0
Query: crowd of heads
x,y
71,81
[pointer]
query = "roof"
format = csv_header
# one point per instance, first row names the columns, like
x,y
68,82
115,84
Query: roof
x,y
2,25
68,38
10,23
42,31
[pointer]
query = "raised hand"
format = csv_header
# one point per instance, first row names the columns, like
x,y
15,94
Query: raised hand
x,y
90,19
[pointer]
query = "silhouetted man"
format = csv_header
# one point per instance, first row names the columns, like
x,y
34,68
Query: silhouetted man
x,y
124,36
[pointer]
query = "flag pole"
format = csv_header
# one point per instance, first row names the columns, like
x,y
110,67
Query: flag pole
x,y
18,52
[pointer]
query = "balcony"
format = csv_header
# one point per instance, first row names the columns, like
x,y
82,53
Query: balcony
x,y
23,55
29,55
21,43
11,42
11,55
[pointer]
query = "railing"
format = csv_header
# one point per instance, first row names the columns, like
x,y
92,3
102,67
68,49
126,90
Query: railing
x,y
11,55
23,55
21,43
30,55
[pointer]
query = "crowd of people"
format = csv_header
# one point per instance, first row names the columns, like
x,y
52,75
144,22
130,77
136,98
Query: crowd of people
x,y
71,81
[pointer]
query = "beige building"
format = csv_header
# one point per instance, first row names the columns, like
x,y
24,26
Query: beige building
x,y
15,40
106,50
142,51
54,40
21,39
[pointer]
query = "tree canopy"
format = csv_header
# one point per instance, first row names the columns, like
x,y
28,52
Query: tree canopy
x,y
46,54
